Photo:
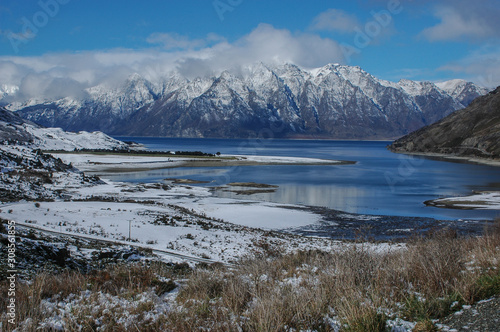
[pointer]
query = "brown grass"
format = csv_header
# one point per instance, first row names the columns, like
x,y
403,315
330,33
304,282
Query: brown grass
x,y
29,296
125,281
301,291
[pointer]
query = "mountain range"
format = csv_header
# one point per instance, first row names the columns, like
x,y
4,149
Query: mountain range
x,y
334,101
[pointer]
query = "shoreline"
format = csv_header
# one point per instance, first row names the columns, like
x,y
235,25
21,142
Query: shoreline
x,y
298,138
452,158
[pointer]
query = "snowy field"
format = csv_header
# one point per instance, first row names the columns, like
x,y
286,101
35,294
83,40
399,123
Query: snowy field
x,y
98,163
178,218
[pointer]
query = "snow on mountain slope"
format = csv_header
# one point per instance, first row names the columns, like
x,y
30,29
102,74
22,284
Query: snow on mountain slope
x,y
58,139
15,129
334,101
462,90
451,85
7,90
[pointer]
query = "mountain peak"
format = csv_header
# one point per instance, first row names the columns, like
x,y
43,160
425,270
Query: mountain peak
x,y
135,77
334,101
451,84
461,90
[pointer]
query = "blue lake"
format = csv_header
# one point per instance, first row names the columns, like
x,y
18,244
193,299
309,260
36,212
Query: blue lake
x,y
381,182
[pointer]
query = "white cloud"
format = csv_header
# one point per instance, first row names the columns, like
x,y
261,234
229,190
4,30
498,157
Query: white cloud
x,y
465,20
377,28
267,44
175,41
481,66
56,75
264,44
335,20
68,74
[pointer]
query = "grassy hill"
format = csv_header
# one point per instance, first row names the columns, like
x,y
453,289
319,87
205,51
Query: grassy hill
x,y
472,132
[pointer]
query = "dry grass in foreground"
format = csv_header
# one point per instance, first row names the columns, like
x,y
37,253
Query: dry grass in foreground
x,y
353,289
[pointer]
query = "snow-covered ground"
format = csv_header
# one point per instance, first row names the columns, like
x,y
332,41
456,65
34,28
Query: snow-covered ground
x,y
58,139
488,200
98,163
286,160
15,129
262,215
178,218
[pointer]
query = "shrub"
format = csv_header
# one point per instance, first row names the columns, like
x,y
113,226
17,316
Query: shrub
x,y
427,279
433,265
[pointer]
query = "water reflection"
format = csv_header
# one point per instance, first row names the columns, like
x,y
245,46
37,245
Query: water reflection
x,y
202,174
341,198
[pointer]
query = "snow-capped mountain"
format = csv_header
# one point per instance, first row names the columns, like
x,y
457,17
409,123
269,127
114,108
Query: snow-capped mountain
x,y
461,90
7,89
334,101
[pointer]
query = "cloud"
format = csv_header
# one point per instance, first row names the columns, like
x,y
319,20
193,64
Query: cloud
x,y
376,29
175,41
269,44
264,44
68,74
50,87
467,20
335,20
481,66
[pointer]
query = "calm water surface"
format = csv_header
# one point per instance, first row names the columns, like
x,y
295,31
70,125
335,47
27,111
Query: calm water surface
x,y
381,182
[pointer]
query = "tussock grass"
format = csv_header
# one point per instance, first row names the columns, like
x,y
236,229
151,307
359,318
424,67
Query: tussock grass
x,y
127,282
354,289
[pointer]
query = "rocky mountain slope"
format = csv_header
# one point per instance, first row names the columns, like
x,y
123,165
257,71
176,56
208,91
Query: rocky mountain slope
x,y
334,101
472,132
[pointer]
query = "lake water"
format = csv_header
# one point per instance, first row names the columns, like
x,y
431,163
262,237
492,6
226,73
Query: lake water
x,y
381,182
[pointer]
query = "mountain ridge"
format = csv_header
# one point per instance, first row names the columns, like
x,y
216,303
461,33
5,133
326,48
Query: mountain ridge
x,y
471,132
334,101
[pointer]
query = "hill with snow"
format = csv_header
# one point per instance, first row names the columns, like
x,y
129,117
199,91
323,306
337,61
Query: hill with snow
x,y
471,132
334,101
14,129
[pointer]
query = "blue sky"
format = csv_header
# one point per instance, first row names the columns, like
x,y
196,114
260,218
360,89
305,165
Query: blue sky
x,y
391,39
